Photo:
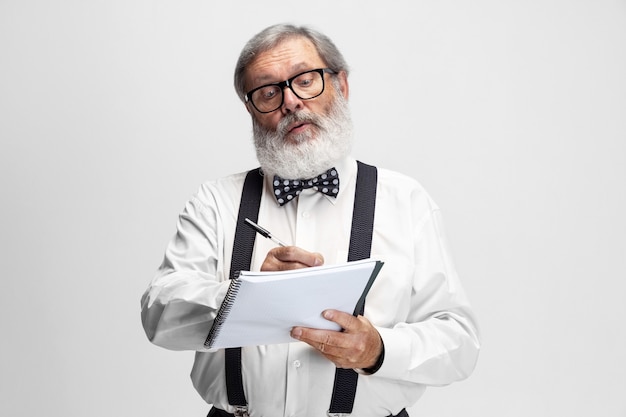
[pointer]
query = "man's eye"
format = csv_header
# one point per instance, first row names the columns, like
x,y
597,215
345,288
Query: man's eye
x,y
305,82
267,93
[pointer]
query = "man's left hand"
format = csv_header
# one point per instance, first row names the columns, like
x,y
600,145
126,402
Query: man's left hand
x,y
358,346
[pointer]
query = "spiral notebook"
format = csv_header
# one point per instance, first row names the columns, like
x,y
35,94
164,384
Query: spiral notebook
x,y
260,308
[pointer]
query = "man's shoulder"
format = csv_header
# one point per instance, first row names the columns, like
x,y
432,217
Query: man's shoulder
x,y
228,186
398,187
226,180
396,179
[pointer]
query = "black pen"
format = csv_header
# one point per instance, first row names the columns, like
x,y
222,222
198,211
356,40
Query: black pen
x,y
263,232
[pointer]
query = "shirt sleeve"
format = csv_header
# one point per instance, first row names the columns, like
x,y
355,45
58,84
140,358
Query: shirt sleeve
x,y
439,342
179,305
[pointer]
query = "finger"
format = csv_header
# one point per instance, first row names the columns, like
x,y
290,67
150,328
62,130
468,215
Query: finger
x,y
335,346
346,321
290,257
343,349
313,337
326,341
297,255
341,339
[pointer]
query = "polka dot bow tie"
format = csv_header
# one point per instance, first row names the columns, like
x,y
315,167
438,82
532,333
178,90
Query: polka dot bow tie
x,y
326,183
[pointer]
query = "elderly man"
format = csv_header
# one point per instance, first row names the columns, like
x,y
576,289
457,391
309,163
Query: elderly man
x,y
417,328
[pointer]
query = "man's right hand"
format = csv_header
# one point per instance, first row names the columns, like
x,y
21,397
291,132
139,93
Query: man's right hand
x,y
282,258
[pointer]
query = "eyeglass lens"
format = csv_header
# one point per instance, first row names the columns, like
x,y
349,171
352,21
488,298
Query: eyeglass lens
x,y
305,86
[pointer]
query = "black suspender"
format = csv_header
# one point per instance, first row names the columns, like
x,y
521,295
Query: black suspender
x,y
241,259
344,389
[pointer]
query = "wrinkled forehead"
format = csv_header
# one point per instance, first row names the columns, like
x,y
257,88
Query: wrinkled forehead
x,y
287,58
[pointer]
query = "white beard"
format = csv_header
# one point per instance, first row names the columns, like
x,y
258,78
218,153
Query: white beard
x,y
305,155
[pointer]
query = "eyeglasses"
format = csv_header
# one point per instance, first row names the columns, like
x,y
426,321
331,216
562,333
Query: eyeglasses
x,y
306,85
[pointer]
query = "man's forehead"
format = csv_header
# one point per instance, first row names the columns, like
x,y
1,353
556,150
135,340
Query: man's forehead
x,y
267,74
285,59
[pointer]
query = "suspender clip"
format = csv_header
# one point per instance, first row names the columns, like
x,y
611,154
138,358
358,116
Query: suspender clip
x,y
329,414
241,411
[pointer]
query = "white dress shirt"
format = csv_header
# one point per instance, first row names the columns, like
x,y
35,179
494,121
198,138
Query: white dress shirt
x,y
416,303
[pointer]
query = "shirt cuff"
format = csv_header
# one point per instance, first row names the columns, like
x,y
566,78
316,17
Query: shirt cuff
x,y
397,347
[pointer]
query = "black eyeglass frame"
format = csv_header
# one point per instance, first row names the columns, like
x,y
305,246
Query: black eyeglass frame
x,y
287,83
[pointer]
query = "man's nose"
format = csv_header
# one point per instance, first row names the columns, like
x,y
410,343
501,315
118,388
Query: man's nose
x,y
291,102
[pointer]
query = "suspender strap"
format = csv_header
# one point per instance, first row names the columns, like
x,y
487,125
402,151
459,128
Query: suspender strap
x,y
344,389
241,259
363,215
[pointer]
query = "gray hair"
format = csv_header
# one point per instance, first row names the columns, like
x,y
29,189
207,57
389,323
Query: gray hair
x,y
272,36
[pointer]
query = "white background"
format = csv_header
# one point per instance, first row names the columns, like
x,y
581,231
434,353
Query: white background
x,y
511,113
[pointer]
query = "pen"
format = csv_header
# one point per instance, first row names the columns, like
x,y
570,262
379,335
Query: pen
x,y
263,232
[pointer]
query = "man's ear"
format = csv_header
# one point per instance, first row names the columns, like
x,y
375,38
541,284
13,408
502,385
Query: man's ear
x,y
343,84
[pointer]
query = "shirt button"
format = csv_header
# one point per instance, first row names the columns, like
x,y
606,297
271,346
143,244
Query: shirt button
x,y
306,215
297,364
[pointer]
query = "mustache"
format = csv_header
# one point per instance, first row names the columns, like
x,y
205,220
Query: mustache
x,y
299,116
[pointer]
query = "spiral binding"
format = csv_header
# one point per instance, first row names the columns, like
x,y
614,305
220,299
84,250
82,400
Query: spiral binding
x,y
224,310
